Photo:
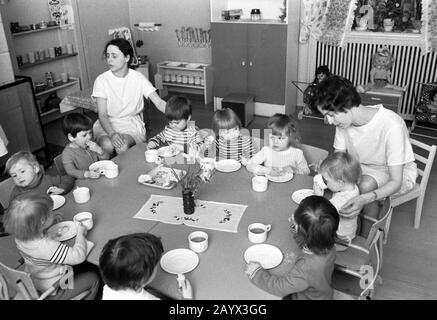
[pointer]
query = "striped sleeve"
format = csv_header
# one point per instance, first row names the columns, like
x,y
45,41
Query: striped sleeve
x,y
60,254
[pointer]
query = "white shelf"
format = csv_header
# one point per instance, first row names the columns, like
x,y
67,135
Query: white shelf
x,y
248,21
70,83
62,27
183,85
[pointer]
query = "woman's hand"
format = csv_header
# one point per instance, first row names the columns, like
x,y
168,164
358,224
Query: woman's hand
x,y
117,140
354,206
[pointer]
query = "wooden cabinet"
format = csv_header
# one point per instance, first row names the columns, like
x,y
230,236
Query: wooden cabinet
x,y
250,58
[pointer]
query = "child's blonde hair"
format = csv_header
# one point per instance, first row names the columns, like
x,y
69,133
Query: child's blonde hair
x,y
21,155
342,166
27,214
283,124
225,119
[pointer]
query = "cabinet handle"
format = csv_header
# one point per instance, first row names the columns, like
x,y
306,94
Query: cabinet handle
x,y
243,63
250,63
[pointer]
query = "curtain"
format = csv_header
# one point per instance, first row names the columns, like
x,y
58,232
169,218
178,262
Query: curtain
x,y
429,26
312,21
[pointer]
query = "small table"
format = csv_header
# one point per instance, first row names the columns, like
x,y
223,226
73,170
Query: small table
x,y
389,98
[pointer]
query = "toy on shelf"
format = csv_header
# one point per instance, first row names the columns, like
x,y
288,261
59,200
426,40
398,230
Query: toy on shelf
x,y
380,74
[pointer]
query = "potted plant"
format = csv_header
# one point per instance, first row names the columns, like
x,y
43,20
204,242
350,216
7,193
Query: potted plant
x,y
190,183
389,12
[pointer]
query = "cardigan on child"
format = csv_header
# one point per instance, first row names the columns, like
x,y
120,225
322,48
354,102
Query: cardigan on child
x,y
77,160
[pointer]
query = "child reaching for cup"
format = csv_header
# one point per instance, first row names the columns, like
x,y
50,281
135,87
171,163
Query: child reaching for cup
x,y
309,278
340,173
129,263
47,260
81,152
28,176
228,142
283,154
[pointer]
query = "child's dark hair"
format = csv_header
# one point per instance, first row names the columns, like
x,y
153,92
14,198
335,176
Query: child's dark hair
x,y
124,46
76,122
322,70
317,220
284,124
178,108
225,119
128,262
342,166
26,215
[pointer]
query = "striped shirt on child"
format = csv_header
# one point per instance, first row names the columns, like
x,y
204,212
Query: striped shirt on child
x,y
189,138
243,147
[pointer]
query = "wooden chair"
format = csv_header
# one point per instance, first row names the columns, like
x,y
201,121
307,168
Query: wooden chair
x,y
314,156
424,120
358,259
59,166
18,285
418,192
6,187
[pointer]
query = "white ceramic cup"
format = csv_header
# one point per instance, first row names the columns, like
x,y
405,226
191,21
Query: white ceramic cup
x,y
259,183
257,232
31,57
110,171
151,155
86,218
69,48
81,194
52,52
318,180
64,77
198,241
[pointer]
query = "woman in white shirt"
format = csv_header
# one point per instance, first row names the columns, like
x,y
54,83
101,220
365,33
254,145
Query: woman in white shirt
x,y
376,136
119,95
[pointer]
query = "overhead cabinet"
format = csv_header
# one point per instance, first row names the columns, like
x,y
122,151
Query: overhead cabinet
x,y
250,58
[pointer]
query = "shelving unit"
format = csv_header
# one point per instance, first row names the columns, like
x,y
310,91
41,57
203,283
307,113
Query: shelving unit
x,y
184,77
64,26
30,65
71,82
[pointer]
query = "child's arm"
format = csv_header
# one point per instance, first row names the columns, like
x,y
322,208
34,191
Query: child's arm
x,y
185,289
101,153
157,140
254,164
70,167
77,253
301,164
292,282
250,149
64,187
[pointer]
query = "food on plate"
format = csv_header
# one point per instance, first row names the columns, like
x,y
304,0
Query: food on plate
x,y
279,172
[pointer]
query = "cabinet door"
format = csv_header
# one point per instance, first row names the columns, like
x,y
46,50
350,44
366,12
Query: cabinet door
x,y
229,52
267,50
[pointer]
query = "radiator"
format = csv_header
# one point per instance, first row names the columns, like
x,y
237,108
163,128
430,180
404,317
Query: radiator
x,y
353,62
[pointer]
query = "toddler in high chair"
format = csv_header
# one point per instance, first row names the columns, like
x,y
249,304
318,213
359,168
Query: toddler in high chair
x,y
229,143
341,173
283,155
310,276
81,152
179,131
129,263
28,218
28,176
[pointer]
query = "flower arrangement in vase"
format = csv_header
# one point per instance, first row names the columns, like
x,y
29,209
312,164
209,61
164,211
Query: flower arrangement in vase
x,y
390,13
190,184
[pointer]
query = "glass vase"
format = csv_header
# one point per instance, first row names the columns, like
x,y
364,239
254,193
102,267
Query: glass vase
x,y
188,201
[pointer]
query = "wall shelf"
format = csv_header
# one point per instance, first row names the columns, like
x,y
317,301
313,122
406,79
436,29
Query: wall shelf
x,y
30,65
23,33
71,82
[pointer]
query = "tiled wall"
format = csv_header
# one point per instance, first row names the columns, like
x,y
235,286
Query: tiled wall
x,y
6,74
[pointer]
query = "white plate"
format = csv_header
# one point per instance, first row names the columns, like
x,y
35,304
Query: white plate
x,y
284,178
62,231
227,165
265,254
168,151
99,165
179,261
301,194
58,201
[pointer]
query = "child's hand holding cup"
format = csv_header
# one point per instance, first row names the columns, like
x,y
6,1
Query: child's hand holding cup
x,y
319,185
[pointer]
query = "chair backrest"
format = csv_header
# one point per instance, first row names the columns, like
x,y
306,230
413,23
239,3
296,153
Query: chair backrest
x,y
425,90
424,162
313,155
59,166
6,187
381,225
16,282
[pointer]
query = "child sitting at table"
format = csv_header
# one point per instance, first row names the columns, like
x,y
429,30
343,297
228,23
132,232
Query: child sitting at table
x,y
81,152
179,130
130,262
309,278
341,173
229,143
28,176
48,260
283,154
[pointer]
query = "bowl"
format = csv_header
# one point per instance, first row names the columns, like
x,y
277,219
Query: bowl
x,y
86,218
